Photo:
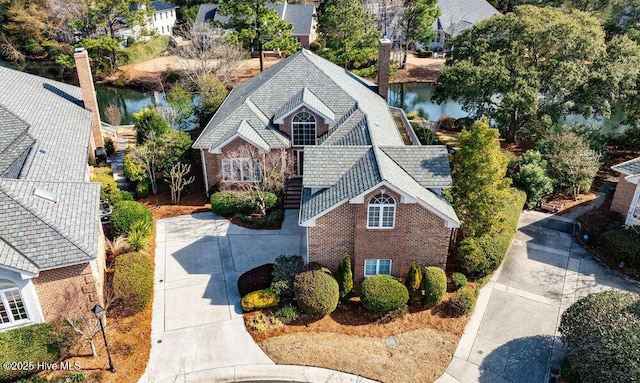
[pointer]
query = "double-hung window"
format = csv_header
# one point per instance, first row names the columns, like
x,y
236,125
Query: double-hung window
x,y
381,212
12,308
303,129
377,266
241,170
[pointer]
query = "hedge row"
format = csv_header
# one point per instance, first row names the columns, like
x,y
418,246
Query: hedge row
x,y
229,203
133,280
478,257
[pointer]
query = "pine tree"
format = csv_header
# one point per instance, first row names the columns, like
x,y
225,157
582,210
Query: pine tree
x,y
414,282
344,276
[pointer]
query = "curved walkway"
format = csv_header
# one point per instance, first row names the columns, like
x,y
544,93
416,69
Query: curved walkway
x,y
197,330
512,335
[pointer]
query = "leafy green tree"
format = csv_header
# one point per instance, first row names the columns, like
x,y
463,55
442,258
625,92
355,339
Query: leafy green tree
x,y
212,93
148,120
601,332
416,20
349,32
25,29
344,276
258,25
179,99
479,183
110,13
173,147
532,177
570,162
534,62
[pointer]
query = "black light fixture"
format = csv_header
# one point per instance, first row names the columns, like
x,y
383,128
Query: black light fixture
x,y
97,310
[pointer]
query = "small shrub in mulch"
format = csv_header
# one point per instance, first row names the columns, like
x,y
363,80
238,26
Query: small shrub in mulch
x,y
458,281
462,302
260,299
287,314
344,276
258,278
125,214
284,271
383,293
435,285
316,291
133,281
413,282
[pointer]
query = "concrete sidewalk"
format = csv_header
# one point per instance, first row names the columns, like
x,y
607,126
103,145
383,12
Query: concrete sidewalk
x,y
512,335
197,330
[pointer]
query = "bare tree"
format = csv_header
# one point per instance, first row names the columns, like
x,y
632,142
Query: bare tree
x,y
210,51
179,181
113,114
147,156
77,312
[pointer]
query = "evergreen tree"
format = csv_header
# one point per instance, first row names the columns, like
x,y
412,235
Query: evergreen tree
x,y
414,282
344,276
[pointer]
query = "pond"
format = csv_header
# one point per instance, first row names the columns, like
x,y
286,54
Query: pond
x,y
417,97
128,100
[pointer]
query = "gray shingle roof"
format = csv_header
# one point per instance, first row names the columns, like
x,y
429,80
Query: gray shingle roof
x,y
428,165
325,165
304,97
161,6
15,143
12,258
628,168
57,121
457,15
50,234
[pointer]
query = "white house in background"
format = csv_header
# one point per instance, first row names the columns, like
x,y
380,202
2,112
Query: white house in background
x,y
626,199
456,16
164,17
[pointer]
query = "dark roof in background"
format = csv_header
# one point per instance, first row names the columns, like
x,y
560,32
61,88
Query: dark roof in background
x,y
162,6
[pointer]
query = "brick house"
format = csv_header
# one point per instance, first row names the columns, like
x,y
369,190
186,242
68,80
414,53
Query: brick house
x,y
51,241
365,191
626,199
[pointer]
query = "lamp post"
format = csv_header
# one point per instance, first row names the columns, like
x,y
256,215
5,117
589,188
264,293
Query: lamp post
x,y
97,310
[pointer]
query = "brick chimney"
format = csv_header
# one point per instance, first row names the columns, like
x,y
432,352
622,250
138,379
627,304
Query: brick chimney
x,y
384,58
89,96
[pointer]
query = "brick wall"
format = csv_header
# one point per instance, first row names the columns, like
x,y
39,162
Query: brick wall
x,y
214,164
89,95
419,236
623,196
53,286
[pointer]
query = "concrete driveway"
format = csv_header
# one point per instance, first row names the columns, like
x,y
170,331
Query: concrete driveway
x,y
512,335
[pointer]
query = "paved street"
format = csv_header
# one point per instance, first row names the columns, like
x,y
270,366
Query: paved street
x,y
512,335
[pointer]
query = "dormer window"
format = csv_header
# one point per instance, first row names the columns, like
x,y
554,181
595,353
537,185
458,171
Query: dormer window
x,y
303,129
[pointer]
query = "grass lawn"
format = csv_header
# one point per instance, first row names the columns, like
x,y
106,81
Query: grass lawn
x,y
416,347
143,50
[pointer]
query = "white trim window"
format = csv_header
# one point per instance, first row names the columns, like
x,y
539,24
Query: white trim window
x,y
303,129
377,266
12,308
381,212
241,170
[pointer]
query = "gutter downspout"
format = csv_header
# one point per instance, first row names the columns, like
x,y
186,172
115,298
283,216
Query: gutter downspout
x,y
204,172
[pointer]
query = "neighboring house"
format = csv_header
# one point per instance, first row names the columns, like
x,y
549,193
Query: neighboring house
x,y
51,241
456,16
364,191
626,199
302,16
164,17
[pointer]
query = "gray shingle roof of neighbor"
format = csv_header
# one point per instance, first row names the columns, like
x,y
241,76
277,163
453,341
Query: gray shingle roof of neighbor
x,y
15,143
57,121
50,233
162,6
631,167
457,15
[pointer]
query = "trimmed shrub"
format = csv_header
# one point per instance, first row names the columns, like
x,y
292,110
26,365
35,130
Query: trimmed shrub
x,y
43,342
344,276
623,245
258,278
316,291
435,285
258,300
383,293
462,302
120,196
284,272
228,203
601,333
133,280
125,214
471,259
287,314
142,189
108,186
458,281
532,177
414,282
132,169
109,146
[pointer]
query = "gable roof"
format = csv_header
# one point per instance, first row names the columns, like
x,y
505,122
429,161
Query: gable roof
x,y
162,6
44,138
458,15
631,167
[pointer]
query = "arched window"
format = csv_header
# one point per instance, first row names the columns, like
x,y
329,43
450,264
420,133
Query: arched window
x,y
12,308
381,212
303,129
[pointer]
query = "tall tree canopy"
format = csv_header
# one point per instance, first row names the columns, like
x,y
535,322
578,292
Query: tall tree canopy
x,y
349,32
416,20
258,26
529,64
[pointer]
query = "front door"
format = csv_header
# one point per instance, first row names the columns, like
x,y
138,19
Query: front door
x,y
298,156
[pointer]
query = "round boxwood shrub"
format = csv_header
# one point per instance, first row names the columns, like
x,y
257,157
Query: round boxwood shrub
x,y
258,300
435,285
142,188
601,332
125,214
472,259
258,278
462,302
623,245
316,291
458,281
383,293
133,280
